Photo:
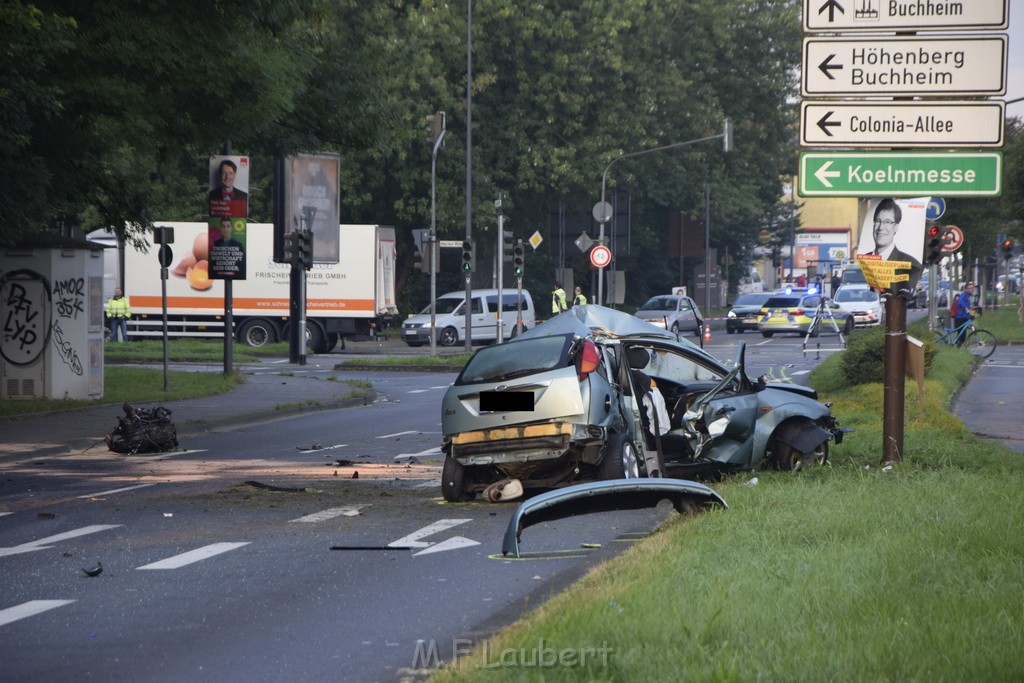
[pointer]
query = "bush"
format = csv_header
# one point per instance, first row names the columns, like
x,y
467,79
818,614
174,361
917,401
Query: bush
x,y
862,362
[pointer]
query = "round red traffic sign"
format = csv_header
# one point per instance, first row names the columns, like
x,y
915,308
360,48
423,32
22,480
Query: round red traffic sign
x,y
954,239
600,256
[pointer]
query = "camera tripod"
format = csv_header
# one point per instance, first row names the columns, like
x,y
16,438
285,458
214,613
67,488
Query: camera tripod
x,y
822,314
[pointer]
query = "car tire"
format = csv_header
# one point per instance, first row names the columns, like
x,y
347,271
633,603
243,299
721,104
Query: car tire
x,y
675,329
766,334
789,459
415,344
730,330
453,481
848,327
449,337
814,330
621,461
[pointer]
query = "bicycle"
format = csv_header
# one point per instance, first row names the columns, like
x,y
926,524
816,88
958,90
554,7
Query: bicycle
x,y
980,343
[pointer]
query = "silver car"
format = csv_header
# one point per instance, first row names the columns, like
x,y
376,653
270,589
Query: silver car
x,y
673,312
564,403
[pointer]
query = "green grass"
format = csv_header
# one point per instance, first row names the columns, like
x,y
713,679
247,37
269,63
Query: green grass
x,y
849,572
187,351
455,362
134,385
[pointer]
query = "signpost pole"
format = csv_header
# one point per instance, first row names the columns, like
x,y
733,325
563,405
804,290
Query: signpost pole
x,y
894,382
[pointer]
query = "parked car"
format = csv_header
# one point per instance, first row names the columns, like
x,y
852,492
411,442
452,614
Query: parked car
x,y
796,313
562,404
863,302
674,313
742,316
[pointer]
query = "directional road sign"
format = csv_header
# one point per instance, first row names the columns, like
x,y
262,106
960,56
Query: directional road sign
x,y
942,124
936,207
900,174
904,15
870,66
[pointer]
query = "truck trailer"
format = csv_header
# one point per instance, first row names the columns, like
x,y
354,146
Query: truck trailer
x,y
352,299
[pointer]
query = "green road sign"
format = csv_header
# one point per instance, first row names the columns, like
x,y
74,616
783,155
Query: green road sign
x,y
901,174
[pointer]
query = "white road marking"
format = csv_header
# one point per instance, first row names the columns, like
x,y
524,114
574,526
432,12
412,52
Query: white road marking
x,y
428,484
388,436
453,543
5,513
44,543
29,609
413,456
417,391
325,448
413,539
801,372
113,491
329,513
191,556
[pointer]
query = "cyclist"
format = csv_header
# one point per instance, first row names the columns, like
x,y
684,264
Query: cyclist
x,y
960,311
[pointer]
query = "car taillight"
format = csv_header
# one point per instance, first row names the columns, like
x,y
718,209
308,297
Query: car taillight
x,y
797,311
588,359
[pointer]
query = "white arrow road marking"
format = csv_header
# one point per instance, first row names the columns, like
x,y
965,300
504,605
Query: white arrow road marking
x,y
823,174
191,556
29,609
413,539
329,513
43,543
113,491
436,450
388,436
453,543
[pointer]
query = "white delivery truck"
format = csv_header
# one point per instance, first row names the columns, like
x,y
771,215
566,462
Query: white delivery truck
x,y
352,299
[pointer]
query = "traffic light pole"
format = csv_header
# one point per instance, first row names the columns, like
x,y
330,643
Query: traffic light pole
x,y
432,238
500,253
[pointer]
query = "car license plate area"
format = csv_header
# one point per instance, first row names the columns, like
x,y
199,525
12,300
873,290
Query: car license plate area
x,y
506,401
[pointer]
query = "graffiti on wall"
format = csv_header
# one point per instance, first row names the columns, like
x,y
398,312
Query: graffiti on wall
x,y
26,311
69,297
66,350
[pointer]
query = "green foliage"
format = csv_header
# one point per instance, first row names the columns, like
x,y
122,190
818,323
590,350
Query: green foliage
x,y
863,360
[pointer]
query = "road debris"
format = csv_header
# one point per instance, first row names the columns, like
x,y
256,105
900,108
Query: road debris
x,y
95,571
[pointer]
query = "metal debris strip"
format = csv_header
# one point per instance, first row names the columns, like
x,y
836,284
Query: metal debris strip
x,y
271,487
143,431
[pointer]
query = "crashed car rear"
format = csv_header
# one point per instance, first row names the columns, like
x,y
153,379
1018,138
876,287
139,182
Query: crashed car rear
x,y
564,403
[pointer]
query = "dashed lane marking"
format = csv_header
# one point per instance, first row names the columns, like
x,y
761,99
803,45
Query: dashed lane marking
x,y
192,556
329,513
29,609
45,543
324,448
113,491
389,436
436,450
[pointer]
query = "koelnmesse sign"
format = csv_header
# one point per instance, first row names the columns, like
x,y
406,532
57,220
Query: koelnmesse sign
x,y
900,174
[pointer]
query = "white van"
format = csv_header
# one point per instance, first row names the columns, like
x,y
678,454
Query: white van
x,y
752,282
450,318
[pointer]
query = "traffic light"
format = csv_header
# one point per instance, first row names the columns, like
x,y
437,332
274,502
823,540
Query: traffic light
x,y
435,126
506,246
933,250
518,258
304,249
417,261
291,248
1007,249
468,259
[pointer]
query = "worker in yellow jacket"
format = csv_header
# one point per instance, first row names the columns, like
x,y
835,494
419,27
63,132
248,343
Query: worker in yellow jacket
x,y
119,310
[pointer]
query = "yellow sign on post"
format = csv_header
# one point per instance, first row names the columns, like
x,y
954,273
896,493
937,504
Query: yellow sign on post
x,y
882,274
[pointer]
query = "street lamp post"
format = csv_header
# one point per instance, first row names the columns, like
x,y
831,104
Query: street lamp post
x,y
603,211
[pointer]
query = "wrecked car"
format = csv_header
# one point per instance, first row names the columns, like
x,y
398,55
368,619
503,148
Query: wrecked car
x,y
565,403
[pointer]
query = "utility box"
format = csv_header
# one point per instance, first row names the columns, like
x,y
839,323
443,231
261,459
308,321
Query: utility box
x,y
51,319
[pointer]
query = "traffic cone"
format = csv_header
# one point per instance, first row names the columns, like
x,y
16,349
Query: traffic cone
x,y
707,332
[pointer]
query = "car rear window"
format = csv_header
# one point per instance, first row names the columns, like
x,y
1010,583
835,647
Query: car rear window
x,y
782,302
750,300
517,359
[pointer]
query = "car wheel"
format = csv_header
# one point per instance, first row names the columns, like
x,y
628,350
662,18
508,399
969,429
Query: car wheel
x,y
675,329
766,334
789,459
730,330
453,481
449,336
848,327
414,344
814,330
621,460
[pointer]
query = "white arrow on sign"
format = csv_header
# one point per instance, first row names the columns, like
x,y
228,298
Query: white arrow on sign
x,y
823,174
954,239
864,15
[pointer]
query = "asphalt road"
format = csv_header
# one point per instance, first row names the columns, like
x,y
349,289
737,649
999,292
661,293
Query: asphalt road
x,y
208,574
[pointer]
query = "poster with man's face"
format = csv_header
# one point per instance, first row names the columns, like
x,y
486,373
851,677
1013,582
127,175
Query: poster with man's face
x,y
229,186
892,242
312,190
